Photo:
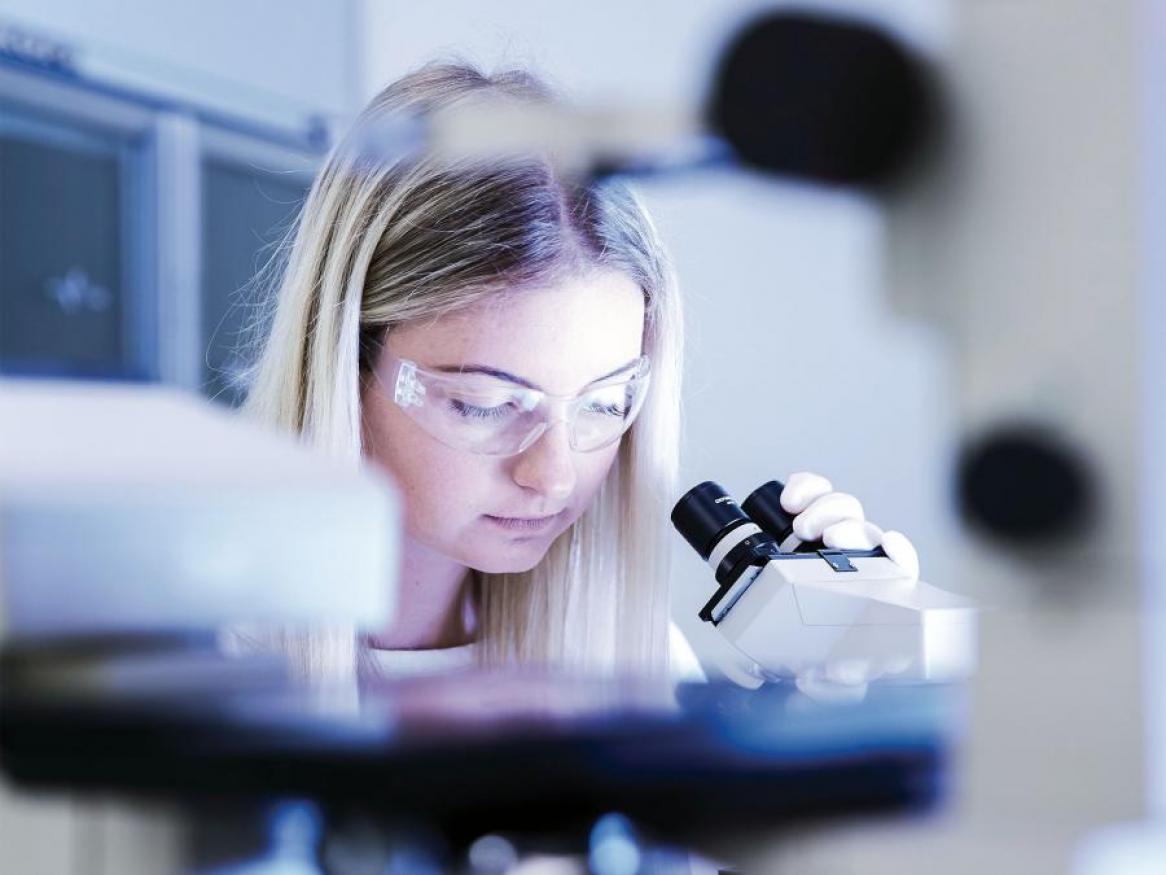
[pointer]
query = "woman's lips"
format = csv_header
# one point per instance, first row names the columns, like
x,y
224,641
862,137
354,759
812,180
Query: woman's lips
x,y
527,525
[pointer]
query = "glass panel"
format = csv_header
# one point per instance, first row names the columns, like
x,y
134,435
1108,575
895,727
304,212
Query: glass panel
x,y
64,271
245,212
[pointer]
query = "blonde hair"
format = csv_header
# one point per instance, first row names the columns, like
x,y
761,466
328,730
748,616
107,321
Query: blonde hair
x,y
381,242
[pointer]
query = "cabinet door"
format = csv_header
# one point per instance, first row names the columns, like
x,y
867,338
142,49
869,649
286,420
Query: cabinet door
x,y
246,212
69,288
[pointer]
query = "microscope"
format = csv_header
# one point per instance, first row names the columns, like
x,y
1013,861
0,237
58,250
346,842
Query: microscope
x,y
798,610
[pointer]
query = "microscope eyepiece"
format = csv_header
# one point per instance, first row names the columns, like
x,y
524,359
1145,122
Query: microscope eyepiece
x,y
764,507
705,514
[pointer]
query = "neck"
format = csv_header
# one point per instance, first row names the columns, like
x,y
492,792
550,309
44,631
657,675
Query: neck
x,y
431,600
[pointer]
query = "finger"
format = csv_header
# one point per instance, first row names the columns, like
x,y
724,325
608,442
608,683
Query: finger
x,y
821,690
802,489
834,507
850,671
902,552
852,535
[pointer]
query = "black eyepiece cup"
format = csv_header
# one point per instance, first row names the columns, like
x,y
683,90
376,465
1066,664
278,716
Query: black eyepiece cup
x,y
764,507
705,514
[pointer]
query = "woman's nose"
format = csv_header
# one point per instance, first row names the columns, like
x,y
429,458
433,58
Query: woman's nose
x,y
547,466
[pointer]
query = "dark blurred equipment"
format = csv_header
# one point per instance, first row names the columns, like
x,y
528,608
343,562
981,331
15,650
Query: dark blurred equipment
x,y
820,98
812,97
465,755
1025,484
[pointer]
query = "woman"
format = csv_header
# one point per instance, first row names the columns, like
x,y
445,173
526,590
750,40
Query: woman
x,y
505,341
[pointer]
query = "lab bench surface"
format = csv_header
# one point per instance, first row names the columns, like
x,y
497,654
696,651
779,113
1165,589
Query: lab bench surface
x,y
474,752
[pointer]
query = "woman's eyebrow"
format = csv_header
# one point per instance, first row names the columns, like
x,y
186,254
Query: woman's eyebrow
x,y
519,381
625,366
489,372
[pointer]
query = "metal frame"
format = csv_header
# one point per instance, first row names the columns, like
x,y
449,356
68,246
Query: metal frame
x,y
177,194
45,85
48,96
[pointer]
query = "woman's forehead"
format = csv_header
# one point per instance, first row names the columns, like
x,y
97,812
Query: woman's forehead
x,y
559,336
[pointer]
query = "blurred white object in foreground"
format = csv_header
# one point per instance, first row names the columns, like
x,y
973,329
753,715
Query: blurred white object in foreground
x,y
130,508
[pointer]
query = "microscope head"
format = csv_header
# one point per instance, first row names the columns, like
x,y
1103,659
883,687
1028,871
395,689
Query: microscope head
x,y
806,609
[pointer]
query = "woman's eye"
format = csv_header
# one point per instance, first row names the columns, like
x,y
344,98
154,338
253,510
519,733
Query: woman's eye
x,y
473,411
617,410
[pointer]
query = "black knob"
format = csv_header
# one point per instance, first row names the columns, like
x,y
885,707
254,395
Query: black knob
x,y
821,98
1025,484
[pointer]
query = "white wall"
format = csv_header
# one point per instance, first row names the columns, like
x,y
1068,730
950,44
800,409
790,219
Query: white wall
x,y
794,361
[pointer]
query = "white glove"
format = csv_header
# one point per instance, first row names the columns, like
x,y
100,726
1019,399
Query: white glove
x,y
837,519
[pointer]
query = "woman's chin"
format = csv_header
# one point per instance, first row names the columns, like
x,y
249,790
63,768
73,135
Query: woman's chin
x,y
507,553
507,566
515,559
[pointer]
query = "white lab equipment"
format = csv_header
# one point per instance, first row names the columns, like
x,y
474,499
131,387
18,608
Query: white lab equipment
x,y
799,610
131,508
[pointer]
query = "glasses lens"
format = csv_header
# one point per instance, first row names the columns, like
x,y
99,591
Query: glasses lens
x,y
606,412
492,421
479,415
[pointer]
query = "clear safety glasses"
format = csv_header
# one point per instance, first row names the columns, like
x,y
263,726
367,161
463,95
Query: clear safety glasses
x,y
490,416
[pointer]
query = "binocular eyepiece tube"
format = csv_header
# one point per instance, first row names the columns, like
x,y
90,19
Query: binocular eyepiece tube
x,y
735,540
707,515
792,607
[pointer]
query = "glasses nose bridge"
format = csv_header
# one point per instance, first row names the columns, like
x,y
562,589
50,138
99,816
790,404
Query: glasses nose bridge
x,y
553,409
557,408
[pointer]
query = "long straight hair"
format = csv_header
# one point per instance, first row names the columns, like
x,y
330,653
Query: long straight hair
x,y
384,241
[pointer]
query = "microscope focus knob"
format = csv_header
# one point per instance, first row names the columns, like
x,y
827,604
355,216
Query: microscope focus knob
x,y
821,98
1024,484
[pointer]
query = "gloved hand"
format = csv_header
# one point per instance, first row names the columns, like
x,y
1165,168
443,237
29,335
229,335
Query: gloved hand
x,y
837,519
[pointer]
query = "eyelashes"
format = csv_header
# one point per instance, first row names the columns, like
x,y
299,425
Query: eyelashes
x,y
616,410
501,411
472,411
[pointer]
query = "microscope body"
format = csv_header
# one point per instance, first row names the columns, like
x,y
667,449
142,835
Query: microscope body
x,y
800,615
799,610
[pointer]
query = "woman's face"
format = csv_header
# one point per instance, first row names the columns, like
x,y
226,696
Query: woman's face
x,y
559,338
